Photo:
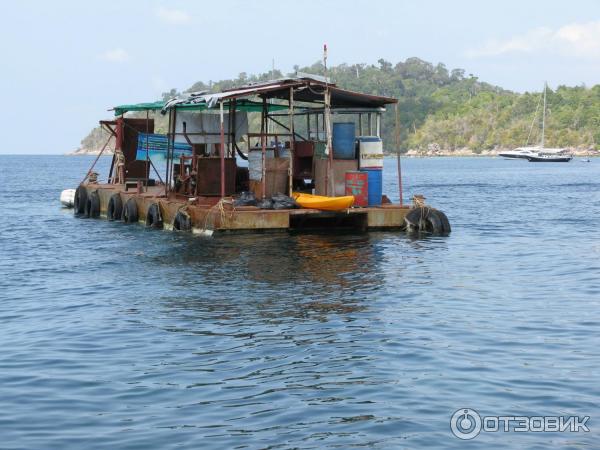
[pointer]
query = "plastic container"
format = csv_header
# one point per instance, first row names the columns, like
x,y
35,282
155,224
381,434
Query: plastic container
x,y
357,184
375,186
370,149
344,140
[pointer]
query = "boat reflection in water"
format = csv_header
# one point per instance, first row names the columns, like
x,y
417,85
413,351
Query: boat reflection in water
x,y
279,274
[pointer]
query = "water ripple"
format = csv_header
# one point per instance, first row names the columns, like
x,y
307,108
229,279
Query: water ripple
x,y
115,336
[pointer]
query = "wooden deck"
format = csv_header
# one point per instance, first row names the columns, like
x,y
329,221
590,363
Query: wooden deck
x,y
207,213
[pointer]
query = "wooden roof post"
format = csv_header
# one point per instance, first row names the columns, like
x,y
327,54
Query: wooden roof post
x,y
292,141
222,152
397,135
170,134
147,149
329,183
263,145
327,123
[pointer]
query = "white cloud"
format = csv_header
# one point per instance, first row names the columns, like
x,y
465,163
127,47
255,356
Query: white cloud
x,y
583,38
173,16
115,55
579,39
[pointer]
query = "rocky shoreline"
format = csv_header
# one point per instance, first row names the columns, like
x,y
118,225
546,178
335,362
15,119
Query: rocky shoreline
x,y
89,152
466,152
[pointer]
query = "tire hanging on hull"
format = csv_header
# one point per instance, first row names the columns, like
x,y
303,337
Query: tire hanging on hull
x,y
114,210
130,211
80,201
182,221
445,222
153,216
428,220
92,206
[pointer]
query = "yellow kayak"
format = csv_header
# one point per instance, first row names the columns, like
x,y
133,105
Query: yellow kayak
x,y
323,203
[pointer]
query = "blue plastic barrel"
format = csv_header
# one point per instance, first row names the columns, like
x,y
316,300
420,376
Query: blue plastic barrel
x,y
375,186
344,140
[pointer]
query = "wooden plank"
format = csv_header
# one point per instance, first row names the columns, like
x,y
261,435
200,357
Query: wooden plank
x,y
386,217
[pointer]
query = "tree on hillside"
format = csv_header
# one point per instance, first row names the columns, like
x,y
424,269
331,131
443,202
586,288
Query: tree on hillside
x,y
452,110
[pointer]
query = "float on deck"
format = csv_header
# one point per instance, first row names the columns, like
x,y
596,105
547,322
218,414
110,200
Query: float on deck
x,y
285,136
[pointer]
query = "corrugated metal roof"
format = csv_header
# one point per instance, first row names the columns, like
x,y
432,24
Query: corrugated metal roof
x,y
309,89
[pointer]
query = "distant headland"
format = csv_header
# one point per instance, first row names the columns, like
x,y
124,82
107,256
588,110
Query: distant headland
x,y
446,112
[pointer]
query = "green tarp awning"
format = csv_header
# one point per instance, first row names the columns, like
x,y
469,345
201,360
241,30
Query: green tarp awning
x,y
153,106
244,105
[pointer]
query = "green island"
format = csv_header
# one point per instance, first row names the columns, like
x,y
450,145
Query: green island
x,y
447,112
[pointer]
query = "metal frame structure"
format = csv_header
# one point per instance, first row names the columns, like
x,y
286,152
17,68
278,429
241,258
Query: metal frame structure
x,y
277,99
205,209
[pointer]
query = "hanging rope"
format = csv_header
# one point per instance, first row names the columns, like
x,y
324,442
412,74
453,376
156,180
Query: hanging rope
x,y
218,210
89,172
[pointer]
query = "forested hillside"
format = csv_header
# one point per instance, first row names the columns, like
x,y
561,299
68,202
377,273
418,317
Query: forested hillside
x,y
450,110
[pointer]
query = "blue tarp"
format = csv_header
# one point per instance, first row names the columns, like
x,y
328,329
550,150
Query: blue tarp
x,y
157,145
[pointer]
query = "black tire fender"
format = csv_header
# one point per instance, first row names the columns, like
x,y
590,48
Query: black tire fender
x,y
414,218
432,223
445,222
426,219
182,221
92,205
153,216
130,211
114,210
80,200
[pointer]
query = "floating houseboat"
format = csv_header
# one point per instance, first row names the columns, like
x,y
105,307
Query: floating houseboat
x,y
289,154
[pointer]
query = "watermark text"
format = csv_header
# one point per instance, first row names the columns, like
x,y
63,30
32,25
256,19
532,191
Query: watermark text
x,y
466,423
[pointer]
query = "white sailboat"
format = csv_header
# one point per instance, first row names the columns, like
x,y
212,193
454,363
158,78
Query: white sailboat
x,y
538,152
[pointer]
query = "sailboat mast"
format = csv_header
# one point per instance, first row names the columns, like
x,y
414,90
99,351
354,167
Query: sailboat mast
x,y
544,116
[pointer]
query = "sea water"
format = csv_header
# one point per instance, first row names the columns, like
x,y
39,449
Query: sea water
x,y
116,336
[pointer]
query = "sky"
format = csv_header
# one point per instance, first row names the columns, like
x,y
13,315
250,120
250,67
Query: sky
x,y
65,63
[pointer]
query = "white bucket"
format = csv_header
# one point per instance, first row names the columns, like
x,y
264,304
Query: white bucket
x,y
371,152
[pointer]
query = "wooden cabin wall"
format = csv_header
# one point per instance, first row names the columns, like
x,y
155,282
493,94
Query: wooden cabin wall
x,y
131,127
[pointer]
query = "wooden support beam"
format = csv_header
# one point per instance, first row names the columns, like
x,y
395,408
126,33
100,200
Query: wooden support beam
x,y
222,149
292,141
263,143
397,136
